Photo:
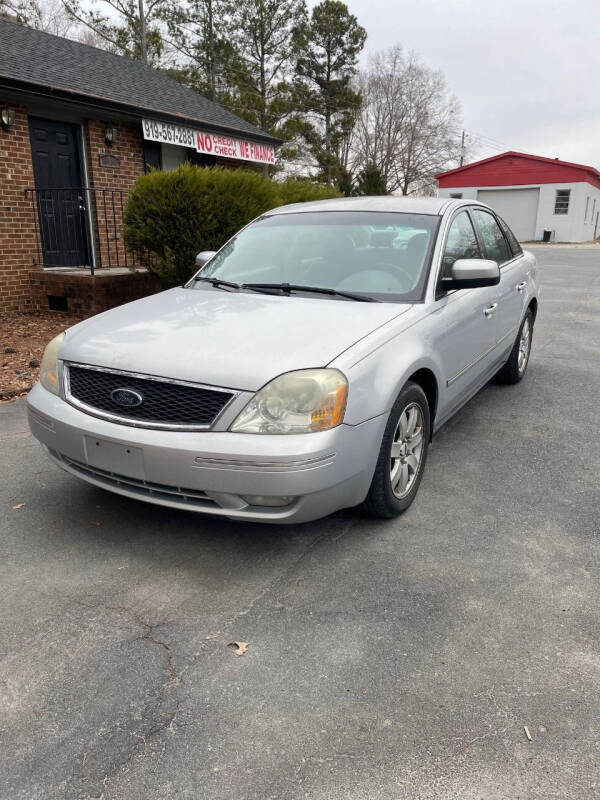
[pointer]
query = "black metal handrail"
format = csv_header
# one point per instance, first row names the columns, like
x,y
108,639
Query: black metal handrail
x,y
79,227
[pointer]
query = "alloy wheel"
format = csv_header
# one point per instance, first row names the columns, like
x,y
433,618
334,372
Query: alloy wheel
x,y
407,450
524,346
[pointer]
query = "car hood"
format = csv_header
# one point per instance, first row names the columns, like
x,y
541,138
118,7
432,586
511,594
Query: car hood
x,y
239,340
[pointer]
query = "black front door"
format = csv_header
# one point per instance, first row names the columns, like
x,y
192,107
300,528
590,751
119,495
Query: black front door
x,y
59,194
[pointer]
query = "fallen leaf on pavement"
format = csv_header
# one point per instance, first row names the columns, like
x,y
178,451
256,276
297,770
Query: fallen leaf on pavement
x,y
19,505
241,647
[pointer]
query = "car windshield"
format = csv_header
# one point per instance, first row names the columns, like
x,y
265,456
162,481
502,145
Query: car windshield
x,y
384,256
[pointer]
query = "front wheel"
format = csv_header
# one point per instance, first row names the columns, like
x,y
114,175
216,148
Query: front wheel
x,y
402,455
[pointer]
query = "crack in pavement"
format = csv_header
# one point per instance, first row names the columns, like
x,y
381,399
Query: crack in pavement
x,y
291,568
229,622
170,723
149,636
138,747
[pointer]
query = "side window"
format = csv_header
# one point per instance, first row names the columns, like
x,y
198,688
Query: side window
x,y
561,201
512,239
461,243
494,243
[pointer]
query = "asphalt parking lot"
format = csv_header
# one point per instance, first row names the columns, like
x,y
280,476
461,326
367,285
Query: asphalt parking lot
x,y
387,660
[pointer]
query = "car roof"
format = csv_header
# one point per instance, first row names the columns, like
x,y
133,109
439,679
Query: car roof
x,y
406,205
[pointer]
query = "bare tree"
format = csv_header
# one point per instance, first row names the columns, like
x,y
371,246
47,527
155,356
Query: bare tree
x,y
44,15
408,125
131,27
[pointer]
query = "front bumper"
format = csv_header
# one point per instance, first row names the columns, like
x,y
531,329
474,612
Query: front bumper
x,y
211,472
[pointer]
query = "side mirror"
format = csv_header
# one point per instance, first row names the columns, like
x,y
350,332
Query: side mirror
x,y
470,273
203,257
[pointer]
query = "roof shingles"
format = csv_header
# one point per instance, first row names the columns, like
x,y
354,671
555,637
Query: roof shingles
x,y
53,63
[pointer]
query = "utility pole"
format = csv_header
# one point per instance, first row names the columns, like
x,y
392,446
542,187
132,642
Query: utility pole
x,y
462,149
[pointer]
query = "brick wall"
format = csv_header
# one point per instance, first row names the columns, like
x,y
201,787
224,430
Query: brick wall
x,y
107,207
21,286
86,294
18,244
17,220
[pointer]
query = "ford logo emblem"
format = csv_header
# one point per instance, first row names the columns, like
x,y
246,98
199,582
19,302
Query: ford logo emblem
x,y
127,397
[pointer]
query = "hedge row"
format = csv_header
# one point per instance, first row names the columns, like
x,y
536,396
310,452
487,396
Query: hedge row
x,y
171,216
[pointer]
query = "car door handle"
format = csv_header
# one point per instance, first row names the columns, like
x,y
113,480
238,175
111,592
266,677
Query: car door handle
x,y
490,309
521,286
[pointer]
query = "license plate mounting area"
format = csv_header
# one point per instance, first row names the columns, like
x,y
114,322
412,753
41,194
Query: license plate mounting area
x,y
121,459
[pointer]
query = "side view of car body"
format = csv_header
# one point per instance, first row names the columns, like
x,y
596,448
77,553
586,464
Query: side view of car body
x,y
303,369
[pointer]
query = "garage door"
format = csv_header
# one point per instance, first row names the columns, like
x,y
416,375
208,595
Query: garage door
x,y
517,206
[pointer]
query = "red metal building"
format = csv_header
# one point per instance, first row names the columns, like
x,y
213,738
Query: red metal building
x,y
533,194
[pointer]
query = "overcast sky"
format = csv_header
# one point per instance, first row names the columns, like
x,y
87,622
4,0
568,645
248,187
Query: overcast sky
x,y
527,72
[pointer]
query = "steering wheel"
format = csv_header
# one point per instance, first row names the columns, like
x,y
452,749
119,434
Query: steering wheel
x,y
394,270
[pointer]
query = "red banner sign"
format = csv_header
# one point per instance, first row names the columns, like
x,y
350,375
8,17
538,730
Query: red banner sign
x,y
227,147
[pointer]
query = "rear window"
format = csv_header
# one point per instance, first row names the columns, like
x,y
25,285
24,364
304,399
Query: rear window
x,y
512,239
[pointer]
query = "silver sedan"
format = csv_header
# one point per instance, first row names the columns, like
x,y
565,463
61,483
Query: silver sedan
x,y
303,369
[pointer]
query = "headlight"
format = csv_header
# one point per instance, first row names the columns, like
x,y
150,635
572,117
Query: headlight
x,y
297,402
49,367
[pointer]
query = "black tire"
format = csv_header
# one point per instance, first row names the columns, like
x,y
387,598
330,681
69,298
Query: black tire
x,y
511,372
381,500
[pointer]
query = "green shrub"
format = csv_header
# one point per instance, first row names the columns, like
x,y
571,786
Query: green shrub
x,y
171,216
295,190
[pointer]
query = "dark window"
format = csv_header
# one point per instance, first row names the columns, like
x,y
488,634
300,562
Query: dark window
x,y
561,203
201,159
512,239
461,243
152,156
494,242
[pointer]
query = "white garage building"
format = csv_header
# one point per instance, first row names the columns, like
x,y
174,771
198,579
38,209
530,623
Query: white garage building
x,y
533,194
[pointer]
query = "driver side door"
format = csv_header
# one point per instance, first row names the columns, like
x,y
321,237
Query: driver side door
x,y
467,338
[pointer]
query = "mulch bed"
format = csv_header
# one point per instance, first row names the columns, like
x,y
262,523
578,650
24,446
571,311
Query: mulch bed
x,y
23,337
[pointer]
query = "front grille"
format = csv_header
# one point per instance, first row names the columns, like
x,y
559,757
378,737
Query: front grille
x,y
164,403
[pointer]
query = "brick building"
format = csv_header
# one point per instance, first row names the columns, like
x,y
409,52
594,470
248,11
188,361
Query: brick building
x,y
78,126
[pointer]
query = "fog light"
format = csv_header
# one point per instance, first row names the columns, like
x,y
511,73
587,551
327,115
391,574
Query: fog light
x,y
266,500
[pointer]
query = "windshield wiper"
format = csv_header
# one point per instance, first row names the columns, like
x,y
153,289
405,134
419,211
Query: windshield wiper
x,y
295,287
217,282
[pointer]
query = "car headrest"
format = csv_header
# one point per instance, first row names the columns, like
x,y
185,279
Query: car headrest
x,y
382,238
416,247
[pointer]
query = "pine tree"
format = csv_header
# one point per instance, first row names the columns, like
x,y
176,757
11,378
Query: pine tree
x,y
260,74
199,30
370,181
328,47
